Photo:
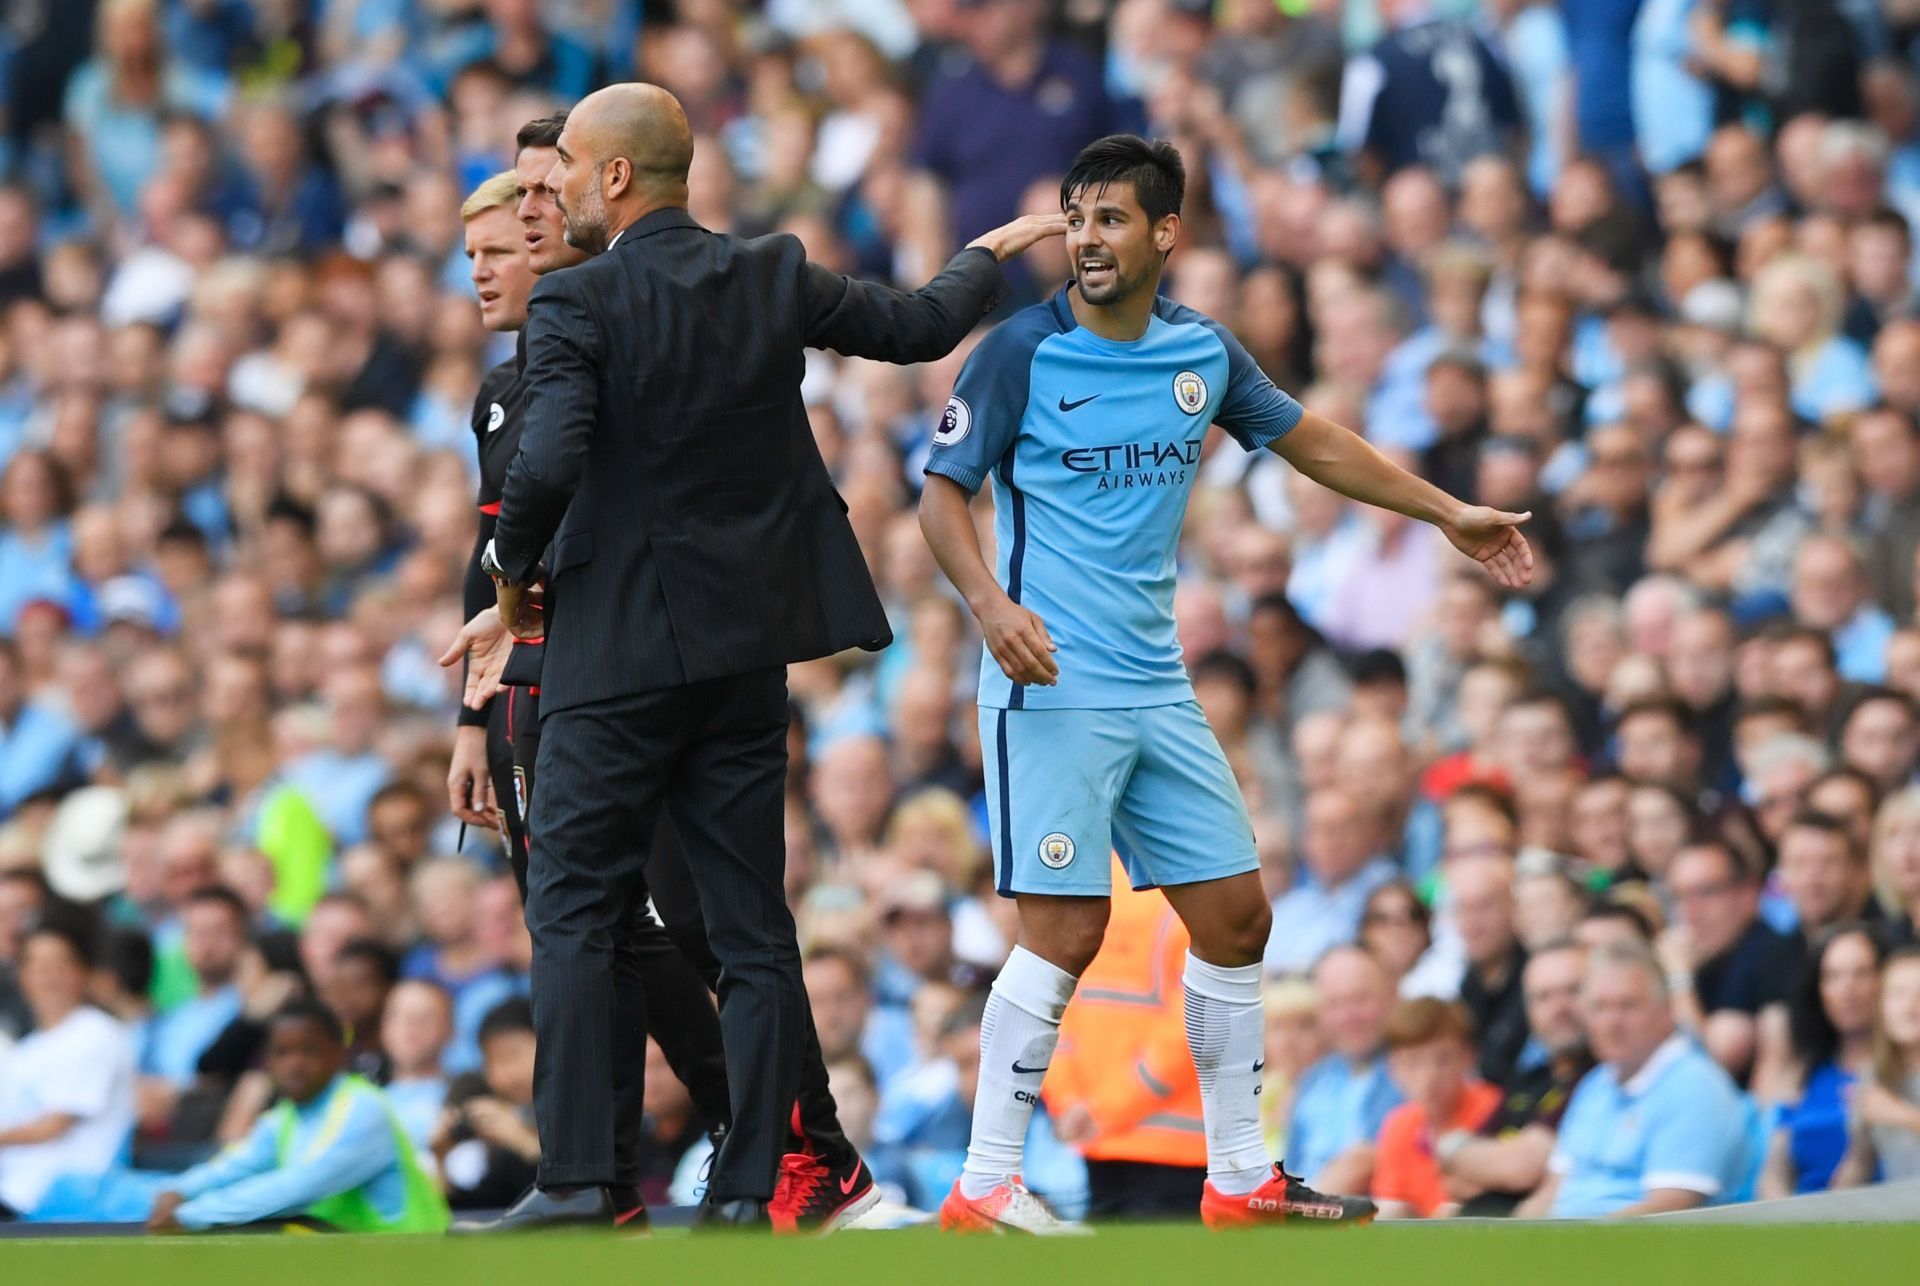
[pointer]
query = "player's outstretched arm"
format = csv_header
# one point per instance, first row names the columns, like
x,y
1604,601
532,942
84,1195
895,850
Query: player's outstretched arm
x,y
1016,636
1342,460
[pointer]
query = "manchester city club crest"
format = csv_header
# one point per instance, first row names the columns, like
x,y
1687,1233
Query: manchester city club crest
x,y
1190,391
1056,850
954,422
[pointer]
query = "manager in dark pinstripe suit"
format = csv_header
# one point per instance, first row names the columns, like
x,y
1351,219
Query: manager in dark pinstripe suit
x,y
698,547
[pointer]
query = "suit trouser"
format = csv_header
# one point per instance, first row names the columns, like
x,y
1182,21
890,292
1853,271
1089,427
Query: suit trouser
x,y
659,991
817,1123
681,1020
713,756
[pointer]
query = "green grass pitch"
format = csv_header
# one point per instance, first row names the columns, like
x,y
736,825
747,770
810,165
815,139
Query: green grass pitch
x,y
1483,1254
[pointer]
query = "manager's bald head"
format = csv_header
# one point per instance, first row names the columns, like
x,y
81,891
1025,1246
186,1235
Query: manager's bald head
x,y
624,153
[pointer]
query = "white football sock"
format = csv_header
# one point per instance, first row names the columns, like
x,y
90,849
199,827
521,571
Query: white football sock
x,y
1226,1030
1018,1031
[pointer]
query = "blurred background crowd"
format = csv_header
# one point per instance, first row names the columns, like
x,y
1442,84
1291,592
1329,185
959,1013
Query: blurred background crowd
x,y
1643,267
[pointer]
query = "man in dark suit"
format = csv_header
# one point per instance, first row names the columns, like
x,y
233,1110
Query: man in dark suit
x,y
698,547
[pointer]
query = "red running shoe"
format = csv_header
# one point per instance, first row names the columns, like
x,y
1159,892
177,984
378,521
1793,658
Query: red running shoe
x,y
812,1196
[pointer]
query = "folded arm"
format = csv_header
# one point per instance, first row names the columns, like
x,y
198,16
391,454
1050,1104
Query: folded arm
x,y
1516,1164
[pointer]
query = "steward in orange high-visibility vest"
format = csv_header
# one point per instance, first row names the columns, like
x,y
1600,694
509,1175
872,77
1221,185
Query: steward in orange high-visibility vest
x,y
1123,1060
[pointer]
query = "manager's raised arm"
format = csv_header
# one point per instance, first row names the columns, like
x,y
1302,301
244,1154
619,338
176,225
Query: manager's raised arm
x,y
861,319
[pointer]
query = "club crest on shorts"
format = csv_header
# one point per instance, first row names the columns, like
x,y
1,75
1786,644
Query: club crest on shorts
x,y
520,792
955,421
1056,850
1190,392
496,416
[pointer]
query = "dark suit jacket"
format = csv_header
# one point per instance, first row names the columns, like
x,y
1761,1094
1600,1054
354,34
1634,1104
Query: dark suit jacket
x,y
702,536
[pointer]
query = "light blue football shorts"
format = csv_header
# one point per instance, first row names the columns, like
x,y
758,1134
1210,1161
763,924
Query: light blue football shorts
x,y
1067,787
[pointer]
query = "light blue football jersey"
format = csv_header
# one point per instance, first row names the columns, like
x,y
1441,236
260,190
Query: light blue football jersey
x,y
1094,446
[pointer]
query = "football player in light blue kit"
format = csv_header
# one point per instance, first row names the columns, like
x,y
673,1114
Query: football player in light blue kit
x,y
1089,412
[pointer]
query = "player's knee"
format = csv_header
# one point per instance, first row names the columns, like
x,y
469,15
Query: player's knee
x,y
1237,939
1257,928
1068,940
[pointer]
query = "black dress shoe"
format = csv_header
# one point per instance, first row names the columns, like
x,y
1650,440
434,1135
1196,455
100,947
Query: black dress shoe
x,y
742,1213
542,1208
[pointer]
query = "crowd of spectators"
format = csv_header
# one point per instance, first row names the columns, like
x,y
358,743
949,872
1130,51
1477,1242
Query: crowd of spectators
x,y
1590,897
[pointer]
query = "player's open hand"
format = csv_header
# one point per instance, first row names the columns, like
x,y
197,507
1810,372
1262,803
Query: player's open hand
x,y
1492,538
486,642
1019,641
1010,239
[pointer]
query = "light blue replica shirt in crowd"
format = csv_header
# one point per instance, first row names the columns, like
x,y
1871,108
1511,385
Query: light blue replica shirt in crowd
x,y
1309,918
1095,446
1340,1103
1678,1122
341,1140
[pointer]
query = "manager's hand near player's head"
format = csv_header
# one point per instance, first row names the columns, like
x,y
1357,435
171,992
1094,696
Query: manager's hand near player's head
x,y
1013,239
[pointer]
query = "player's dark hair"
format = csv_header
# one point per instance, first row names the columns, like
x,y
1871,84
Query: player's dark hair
x,y
1152,166
541,131
303,1010
505,1018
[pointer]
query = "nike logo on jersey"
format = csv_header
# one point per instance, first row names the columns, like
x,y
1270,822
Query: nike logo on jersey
x,y
1018,1070
1074,406
496,416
